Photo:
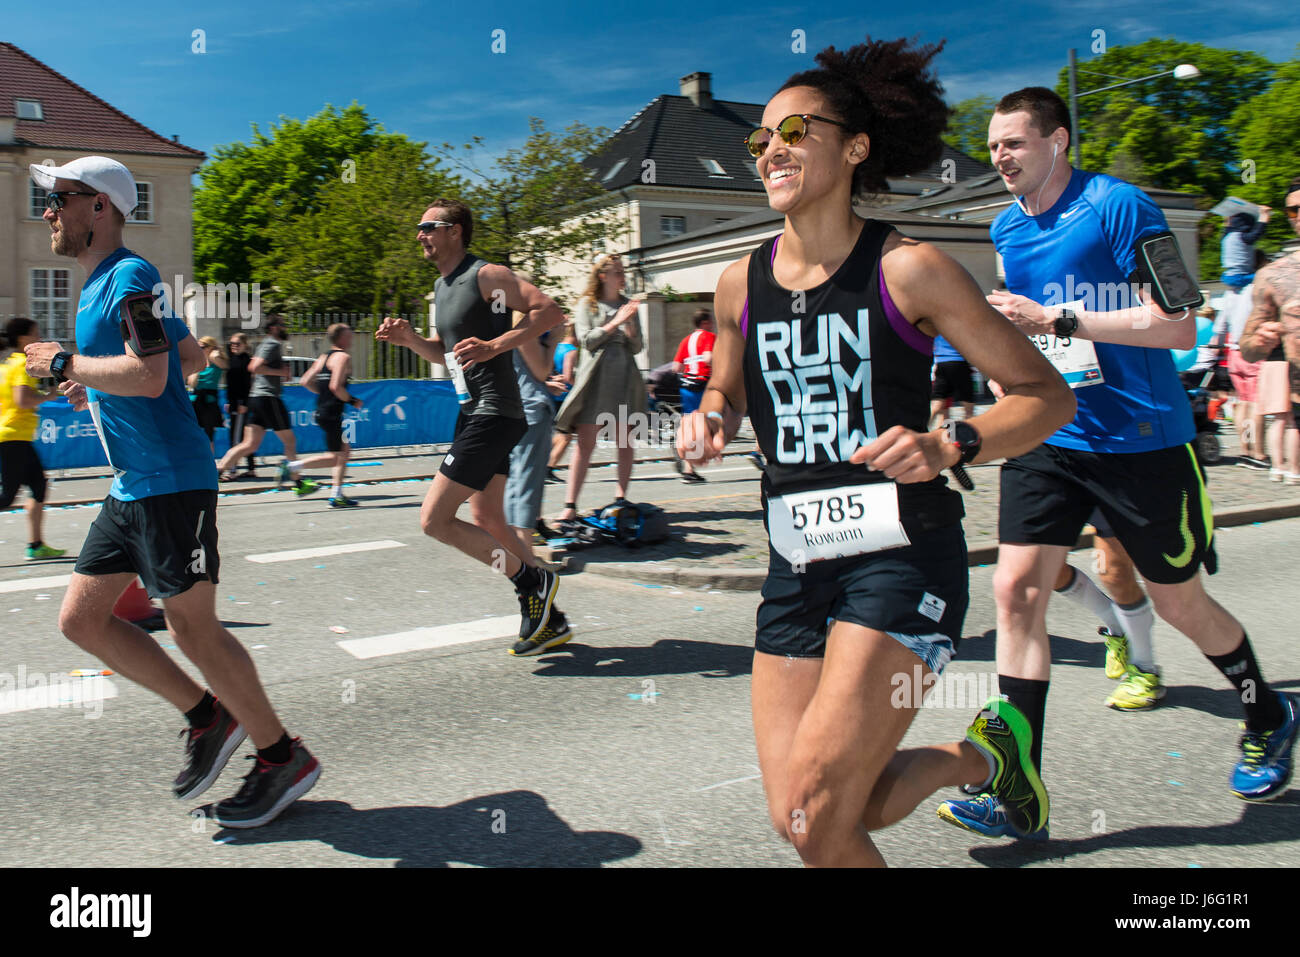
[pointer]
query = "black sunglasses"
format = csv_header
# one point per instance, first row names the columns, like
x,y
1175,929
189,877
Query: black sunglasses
x,y
56,200
792,129
431,225
1292,212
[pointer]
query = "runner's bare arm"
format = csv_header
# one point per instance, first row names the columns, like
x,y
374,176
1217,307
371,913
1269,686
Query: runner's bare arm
x,y
401,333
1263,330
936,294
701,437
497,284
1147,325
308,379
127,374
193,359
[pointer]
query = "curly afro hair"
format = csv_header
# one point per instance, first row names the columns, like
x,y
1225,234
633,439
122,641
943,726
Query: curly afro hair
x,y
888,90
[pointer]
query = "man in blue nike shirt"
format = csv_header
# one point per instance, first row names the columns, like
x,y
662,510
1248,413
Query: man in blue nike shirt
x,y
1068,245
159,519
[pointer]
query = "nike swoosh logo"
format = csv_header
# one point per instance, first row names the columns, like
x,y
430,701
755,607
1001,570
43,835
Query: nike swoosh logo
x,y
1069,212
1189,543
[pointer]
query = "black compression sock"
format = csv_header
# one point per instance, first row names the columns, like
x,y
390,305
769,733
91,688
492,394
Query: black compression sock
x,y
35,544
1030,697
1263,709
526,579
278,753
203,713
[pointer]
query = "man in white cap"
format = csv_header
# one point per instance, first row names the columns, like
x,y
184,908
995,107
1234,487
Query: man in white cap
x,y
159,519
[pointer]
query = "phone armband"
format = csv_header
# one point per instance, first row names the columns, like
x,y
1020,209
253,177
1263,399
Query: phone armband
x,y
142,329
1160,267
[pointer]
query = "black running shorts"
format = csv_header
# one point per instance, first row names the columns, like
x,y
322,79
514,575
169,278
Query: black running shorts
x,y
952,380
916,594
268,411
333,429
480,449
1155,503
19,466
170,541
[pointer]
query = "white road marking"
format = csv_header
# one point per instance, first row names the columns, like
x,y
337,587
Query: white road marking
x,y
32,584
267,558
752,777
67,692
422,639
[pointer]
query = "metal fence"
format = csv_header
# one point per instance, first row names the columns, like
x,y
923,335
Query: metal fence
x,y
370,359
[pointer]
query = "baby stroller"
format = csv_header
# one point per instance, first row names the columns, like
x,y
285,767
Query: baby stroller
x,y
664,389
1205,416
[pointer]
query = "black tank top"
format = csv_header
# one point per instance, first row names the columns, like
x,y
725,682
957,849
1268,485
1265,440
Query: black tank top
x,y
827,370
328,404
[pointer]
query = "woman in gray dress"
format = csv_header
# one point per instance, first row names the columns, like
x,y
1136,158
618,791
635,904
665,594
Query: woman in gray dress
x,y
608,395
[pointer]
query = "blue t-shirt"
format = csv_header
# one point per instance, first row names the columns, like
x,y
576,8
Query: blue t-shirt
x,y
155,446
1082,249
944,351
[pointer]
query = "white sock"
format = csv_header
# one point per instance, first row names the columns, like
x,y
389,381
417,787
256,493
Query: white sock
x,y
1083,590
1137,621
295,465
336,491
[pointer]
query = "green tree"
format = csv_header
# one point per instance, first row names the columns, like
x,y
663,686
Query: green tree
x,y
968,126
538,203
1167,133
1267,157
355,250
247,188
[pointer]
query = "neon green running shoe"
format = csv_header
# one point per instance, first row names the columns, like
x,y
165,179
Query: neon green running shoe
x,y
1116,654
1138,691
1002,733
44,551
305,487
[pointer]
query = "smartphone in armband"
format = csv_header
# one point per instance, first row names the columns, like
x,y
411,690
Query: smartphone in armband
x,y
143,331
1160,267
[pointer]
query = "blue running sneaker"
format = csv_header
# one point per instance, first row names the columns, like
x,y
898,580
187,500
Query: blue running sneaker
x,y
1265,766
985,815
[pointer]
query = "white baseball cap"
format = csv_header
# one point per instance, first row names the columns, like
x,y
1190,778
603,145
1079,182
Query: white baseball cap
x,y
98,172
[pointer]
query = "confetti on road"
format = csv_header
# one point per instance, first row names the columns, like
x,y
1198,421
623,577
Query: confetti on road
x,y
1176,784
650,694
698,608
644,585
1174,754
88,673
338,629
255,647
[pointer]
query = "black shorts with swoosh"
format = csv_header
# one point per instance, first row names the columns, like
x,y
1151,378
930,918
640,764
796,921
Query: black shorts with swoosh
x,y
1155,502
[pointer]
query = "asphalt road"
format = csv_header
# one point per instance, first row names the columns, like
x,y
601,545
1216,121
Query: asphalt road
x,y
631,747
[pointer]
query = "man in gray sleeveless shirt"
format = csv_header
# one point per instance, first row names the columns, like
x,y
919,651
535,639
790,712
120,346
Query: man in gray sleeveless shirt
x,y
474,301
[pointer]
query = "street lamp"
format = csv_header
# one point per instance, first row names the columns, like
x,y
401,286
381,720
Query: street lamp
x,y
1184,71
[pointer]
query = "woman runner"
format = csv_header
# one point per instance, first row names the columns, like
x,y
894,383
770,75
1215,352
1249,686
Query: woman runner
x,y
825,339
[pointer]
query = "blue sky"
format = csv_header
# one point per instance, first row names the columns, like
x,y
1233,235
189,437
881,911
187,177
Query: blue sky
x,y
427,69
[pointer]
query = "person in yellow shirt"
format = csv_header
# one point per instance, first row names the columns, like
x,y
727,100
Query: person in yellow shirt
x,y
20,396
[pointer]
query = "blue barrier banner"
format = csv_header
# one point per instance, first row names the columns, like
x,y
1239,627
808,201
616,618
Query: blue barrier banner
x,y
394,412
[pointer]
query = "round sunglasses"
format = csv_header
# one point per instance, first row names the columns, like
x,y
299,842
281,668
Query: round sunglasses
x,y
792,130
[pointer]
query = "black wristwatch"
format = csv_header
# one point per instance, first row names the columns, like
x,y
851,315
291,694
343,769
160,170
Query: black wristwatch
x,y
58,364
968,442
1067,323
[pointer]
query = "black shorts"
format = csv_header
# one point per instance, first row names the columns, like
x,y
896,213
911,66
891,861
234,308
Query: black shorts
x,y
268,412
1155,503
333,429
19,466
916,594
480,449
952,380
170,541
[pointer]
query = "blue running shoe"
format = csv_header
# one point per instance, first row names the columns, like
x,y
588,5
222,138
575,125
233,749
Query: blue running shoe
x,y
1265,766
985,815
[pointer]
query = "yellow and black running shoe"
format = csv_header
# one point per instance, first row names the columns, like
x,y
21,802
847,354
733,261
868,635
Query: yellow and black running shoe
x,y
556,633
536,603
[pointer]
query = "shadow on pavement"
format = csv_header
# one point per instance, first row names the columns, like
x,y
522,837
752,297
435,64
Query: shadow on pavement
x,y
1065,651
667,657
509,829
1258,824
